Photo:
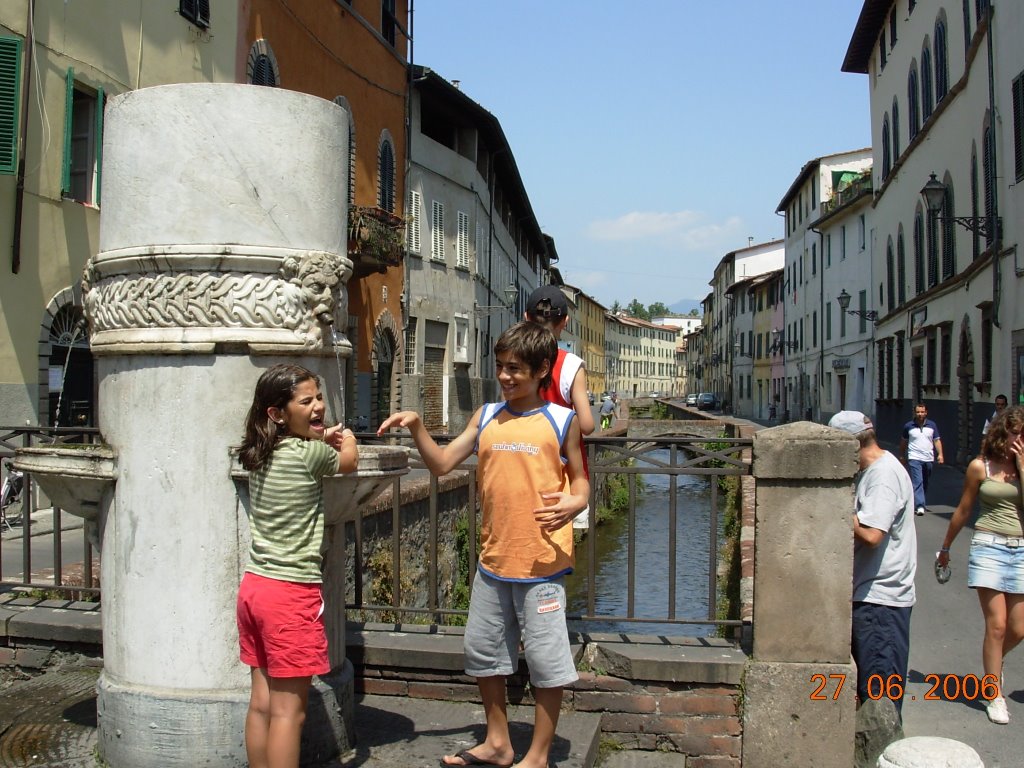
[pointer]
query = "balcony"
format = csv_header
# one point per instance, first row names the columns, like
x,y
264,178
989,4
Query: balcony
x,y
376,240
859,186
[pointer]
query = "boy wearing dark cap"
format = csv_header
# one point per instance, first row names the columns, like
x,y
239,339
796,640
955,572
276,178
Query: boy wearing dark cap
x,y
548,306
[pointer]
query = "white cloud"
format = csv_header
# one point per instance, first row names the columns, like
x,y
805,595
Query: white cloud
x,y
688,230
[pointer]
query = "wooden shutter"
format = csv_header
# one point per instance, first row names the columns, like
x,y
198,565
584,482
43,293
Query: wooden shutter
x,y
10,79
69,103
100,103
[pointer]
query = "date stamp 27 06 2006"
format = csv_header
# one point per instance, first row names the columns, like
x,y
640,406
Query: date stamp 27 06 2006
x,y
941,687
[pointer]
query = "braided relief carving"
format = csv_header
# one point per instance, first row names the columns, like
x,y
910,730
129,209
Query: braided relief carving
x,y
300,297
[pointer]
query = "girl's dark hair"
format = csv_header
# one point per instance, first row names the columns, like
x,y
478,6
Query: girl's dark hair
x,y
533,344
1002,431
273,390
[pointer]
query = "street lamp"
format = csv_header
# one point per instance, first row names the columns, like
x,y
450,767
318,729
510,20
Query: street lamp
x,y
737,348
844,301
510,296
780,342
934,194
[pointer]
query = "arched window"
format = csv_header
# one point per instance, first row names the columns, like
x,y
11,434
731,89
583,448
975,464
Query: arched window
x,y
941,60
890,277
919,272
913,103
895,130
901,270
386,174
261,67
989,174
886,148
927,104
948,232
975,238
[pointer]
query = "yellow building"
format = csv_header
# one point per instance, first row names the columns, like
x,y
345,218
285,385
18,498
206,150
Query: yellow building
x,y
587,326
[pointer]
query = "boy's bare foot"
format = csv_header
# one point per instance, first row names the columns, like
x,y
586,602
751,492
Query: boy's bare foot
x,y
465,757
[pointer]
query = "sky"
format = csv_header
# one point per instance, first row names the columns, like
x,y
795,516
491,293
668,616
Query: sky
x,y
653,138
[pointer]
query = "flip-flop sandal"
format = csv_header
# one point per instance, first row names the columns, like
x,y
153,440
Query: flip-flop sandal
x,y
468,758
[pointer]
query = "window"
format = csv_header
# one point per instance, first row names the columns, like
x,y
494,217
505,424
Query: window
x,y
986,343
967,24
1018,126
882,50
10,80
901,270
828,250
981,9
933,248
890,277
261,67
975,236
948,234
842,243
814,258
946,362
913,104
386,175
892,27
930,362
828,321
196,11
342,102
927,103
461,351
886,148
388,23
814,329
83,142
941,61
895,130
989,172
410,346
919,272
862,305
412,227
462,241
437,231
862,231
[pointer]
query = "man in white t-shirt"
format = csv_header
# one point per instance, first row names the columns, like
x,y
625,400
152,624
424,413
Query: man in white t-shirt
x,y
1000,405
884,563
920,448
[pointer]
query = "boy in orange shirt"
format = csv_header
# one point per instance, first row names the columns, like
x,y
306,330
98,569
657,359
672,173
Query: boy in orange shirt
x,y
526,448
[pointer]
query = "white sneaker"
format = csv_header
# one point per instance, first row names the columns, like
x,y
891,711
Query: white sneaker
x,y
996,711
919,511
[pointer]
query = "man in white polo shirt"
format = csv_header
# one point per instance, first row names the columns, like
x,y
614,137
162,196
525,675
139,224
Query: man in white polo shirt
x,y
920,448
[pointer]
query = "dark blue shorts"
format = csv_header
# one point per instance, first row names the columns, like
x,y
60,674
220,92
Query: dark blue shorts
x,y
881,646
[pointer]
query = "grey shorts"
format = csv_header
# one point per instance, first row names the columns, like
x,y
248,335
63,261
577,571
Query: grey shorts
x,y
503,612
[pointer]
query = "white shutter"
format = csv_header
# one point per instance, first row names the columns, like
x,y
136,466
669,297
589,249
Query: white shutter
x,y
437,231
462,242
412,235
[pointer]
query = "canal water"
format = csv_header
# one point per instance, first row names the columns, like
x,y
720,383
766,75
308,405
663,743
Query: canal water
x,y
651,597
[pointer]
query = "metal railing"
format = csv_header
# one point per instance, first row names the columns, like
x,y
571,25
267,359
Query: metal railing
x,y
52,573
631,458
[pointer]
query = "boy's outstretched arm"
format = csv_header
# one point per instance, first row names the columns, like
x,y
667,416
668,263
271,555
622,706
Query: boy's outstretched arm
x,y
439,460
567,505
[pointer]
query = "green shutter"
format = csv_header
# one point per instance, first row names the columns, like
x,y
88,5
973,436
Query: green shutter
x,y
69,103
10,79
100,103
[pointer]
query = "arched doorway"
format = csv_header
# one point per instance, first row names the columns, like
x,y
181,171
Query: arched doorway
x,y
70,400
384,352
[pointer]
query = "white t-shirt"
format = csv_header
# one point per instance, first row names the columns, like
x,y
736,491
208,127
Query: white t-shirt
x,y
921,440
884,574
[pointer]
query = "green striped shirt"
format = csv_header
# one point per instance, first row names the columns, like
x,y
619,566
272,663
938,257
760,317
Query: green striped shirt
x,y
286,511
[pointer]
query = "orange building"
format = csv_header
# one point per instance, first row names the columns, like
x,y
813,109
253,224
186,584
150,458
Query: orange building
x,y
355,54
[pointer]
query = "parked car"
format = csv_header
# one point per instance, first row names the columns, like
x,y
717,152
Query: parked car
x,y
706,401
655,394
691,400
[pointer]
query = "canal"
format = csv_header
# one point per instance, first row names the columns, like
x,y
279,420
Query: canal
x,y
693,519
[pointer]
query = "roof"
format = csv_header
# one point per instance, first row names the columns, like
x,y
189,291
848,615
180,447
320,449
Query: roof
x,y
873,15
434,86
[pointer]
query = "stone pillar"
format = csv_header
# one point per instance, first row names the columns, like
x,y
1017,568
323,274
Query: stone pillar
x,y
795,712
222,250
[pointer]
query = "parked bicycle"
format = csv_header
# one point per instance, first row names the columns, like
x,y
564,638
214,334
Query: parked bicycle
x,y
10,496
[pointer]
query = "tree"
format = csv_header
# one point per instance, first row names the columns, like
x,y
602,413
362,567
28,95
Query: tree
x,y
616,307
694,313
657,309
637,310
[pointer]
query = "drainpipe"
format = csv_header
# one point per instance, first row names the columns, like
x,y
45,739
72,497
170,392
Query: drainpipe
x,y
19,193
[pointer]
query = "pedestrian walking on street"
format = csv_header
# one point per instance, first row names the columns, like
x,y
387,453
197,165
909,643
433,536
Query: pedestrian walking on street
x,y
1000,405
920,448
995,565
532,484
288,450
884,564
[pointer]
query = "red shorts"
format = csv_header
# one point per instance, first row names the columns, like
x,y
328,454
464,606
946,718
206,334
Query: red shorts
x,y
281,627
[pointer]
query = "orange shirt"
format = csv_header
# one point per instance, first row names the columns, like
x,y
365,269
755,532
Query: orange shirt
x,y
520,457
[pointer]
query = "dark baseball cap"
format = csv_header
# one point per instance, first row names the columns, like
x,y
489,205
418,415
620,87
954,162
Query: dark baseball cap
x,y
556,304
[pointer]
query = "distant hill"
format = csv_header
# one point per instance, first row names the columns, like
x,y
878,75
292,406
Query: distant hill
x,y
683,306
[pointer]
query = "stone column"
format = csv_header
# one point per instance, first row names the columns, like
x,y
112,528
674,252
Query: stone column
x,y
222,251
803,571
